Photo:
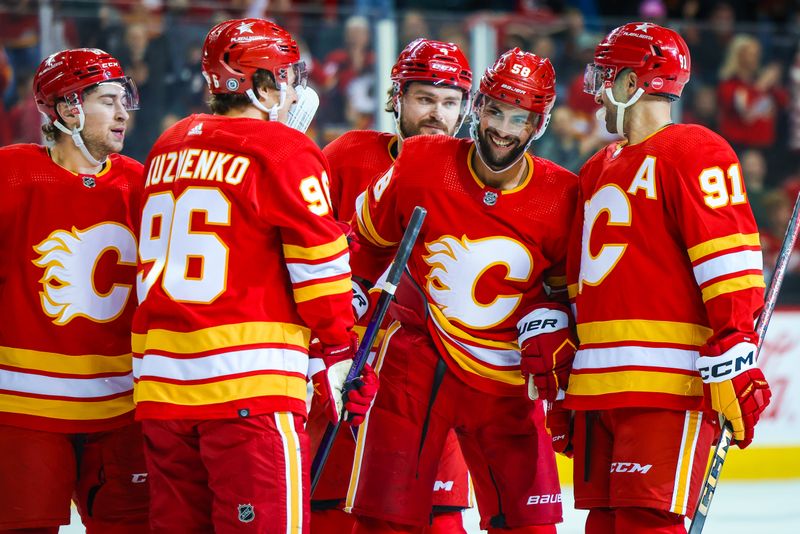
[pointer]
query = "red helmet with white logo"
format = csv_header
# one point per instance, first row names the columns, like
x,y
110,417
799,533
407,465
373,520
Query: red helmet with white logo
x,y
659,57
68,73
235,49
521,79
436,62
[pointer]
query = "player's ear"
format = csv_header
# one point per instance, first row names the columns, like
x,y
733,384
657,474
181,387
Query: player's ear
x,y
266,89
631,82
68,114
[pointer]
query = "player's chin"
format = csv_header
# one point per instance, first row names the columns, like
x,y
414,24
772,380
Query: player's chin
x,y
433,130
114,146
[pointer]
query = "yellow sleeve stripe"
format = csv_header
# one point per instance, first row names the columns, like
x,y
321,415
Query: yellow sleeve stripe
x,y
318,252
644,331
723,243
368,229
590,384
324,289
53,362
79,410
222,391
739,283
556,281
220,337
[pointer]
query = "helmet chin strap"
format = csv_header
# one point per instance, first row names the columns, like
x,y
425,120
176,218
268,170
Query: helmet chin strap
x,y
75,133
273,111
622,106
397,127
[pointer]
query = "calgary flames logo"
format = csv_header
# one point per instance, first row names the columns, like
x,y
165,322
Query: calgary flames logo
x,y
458,264
69,260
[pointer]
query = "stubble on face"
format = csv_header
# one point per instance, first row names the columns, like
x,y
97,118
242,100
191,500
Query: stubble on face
x,y
416,118
105,125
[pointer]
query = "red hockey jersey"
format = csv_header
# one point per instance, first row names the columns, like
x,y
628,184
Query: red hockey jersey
x,y
669,259
239,261
483,254
356,158
66,291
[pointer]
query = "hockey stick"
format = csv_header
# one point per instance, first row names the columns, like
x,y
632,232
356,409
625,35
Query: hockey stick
x,y
721,451
371,332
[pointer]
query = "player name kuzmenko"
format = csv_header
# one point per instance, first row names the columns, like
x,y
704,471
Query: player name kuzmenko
x,y
197,164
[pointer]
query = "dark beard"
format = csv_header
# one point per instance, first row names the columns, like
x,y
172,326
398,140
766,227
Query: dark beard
x,y
490,160
407,130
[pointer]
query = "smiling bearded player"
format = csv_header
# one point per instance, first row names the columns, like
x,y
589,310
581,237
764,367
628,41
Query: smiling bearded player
x,y
495,234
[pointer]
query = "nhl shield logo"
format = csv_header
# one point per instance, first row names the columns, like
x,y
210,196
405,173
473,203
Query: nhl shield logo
x,y
490,198
88,181
246,513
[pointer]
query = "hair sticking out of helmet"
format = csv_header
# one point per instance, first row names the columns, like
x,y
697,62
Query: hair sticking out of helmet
x,y
65,75
235,49
436,63
525,81
658,56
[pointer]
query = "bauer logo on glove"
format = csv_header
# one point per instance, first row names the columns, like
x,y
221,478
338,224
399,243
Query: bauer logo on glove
x,y
547,347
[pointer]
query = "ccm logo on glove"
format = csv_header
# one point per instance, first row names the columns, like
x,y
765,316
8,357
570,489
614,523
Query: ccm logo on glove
x,y
719,368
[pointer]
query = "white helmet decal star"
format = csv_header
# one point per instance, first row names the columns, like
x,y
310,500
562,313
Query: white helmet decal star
x,y
245,27
643,27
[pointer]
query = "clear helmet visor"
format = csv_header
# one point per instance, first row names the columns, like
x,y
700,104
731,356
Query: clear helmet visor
x,y
300,74
123,89
507,119
597,77
128,92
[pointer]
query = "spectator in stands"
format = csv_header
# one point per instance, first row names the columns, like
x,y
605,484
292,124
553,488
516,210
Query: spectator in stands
x,y
5,79
794,106
754,171
24,117
562,143
749,96
341,67
653,11
779,209
709,40
146,57
413,26
703,109
454,33
192,93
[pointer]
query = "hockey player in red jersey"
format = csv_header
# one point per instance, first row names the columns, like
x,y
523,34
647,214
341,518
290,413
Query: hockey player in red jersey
x,y
431,83
241,266
666,281
495,234
69,216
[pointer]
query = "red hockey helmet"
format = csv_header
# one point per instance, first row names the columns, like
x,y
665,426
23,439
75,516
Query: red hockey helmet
x,y
659,57
436,62
68,73
235,49
521,79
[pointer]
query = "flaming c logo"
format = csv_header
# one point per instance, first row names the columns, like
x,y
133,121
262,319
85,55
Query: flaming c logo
x,y
458,264
69,260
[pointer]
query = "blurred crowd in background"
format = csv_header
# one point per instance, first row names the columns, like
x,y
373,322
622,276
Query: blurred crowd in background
x,y
745,69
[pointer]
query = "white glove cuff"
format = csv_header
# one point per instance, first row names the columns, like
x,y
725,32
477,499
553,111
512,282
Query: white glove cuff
x,y
733,362
541,321
315,365
360,300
